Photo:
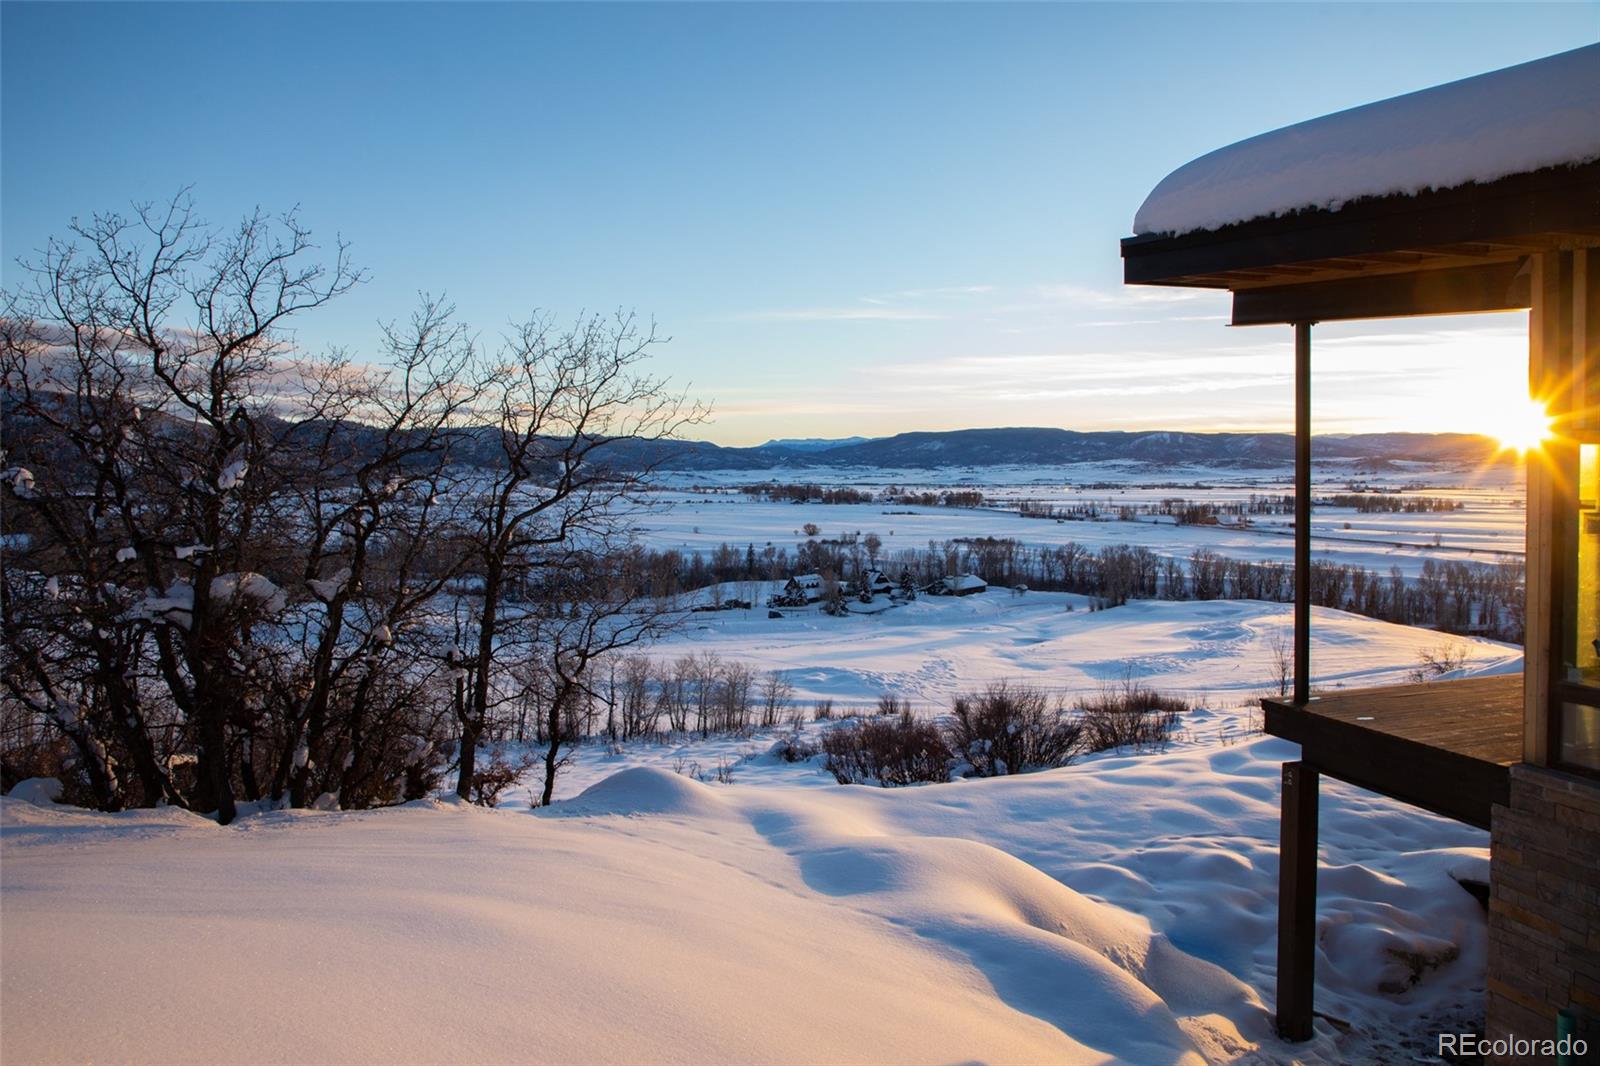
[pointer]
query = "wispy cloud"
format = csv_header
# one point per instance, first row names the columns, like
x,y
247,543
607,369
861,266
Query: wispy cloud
x,y
1122,296
868,313
904,305
1119,306
1034,377
1096,323
994,304
938,292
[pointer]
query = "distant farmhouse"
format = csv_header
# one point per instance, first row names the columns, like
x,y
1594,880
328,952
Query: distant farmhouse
x,y
807,585
874,583
959,585
799,591
803,590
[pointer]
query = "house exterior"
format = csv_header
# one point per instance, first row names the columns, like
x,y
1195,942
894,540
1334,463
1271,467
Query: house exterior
x,y
799,591
1480,195
875,583
964,585
806,585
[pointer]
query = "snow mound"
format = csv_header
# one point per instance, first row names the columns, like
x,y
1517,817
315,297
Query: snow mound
x,y
40,791
1098,973
1523,118
646,790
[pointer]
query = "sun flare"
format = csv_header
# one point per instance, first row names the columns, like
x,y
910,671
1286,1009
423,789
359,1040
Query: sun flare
x,y
1522,426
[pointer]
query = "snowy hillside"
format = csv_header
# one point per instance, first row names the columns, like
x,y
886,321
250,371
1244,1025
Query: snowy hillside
x,y
1118,909
1121,908
936,647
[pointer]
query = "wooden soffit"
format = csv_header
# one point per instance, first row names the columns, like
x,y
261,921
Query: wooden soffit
x,y
1441,252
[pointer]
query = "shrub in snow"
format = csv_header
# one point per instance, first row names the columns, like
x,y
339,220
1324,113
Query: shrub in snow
x,y
887,751
1009,728
1437,662
822,711
1129,716
889,704
498,773
793,748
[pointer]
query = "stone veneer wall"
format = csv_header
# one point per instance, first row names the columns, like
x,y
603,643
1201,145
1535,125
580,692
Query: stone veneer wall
x,y
1544,906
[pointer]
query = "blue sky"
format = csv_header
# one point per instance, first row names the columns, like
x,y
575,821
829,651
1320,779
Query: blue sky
x,y
849,219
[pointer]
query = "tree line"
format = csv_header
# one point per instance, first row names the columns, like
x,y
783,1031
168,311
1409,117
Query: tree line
x,y
1452,596
844,494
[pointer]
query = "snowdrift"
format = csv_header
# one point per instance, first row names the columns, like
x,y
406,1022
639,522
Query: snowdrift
x,y
1116,910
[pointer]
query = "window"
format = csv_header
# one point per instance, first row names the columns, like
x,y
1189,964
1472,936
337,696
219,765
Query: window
x,y
1579,691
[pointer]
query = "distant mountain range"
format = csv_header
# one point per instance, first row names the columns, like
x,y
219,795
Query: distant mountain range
x,y
814,444
1046,447
982,448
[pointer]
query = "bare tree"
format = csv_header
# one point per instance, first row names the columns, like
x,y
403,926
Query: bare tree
x,y
149,347
232,568
591,609
777,691
559,405
1281,647
371,491
639,716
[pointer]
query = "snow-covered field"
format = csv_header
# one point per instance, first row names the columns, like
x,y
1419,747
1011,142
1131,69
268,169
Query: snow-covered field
x,y
935,647
1488,526
1120,908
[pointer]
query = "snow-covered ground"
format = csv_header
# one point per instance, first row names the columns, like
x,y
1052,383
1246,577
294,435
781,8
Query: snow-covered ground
x,y
1488,526
935,647
1119,908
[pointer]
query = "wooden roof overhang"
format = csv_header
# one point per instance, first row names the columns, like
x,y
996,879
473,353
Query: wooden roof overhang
x,y
1449,251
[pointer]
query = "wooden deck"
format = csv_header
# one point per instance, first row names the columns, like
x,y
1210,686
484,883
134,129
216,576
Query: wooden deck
x,y
1445,746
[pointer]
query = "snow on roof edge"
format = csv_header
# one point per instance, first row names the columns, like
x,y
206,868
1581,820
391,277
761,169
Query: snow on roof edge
x,y
1533,116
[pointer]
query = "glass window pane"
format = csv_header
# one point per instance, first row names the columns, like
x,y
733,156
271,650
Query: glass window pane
x,y
1581,643
1580,735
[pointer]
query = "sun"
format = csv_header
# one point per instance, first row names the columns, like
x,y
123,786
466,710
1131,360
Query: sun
x,y
1522,426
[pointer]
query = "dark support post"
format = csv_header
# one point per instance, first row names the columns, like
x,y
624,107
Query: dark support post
x,y
1297,900
1302,513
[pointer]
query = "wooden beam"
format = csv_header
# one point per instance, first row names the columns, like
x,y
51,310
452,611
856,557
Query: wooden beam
x,y
1302,512
1325,270
1549,372
1450,783
1399,257
1457,290
1585,402
1297,901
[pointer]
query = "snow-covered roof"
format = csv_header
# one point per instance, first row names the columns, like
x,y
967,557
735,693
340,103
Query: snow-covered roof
x,y
965,581
1536,115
